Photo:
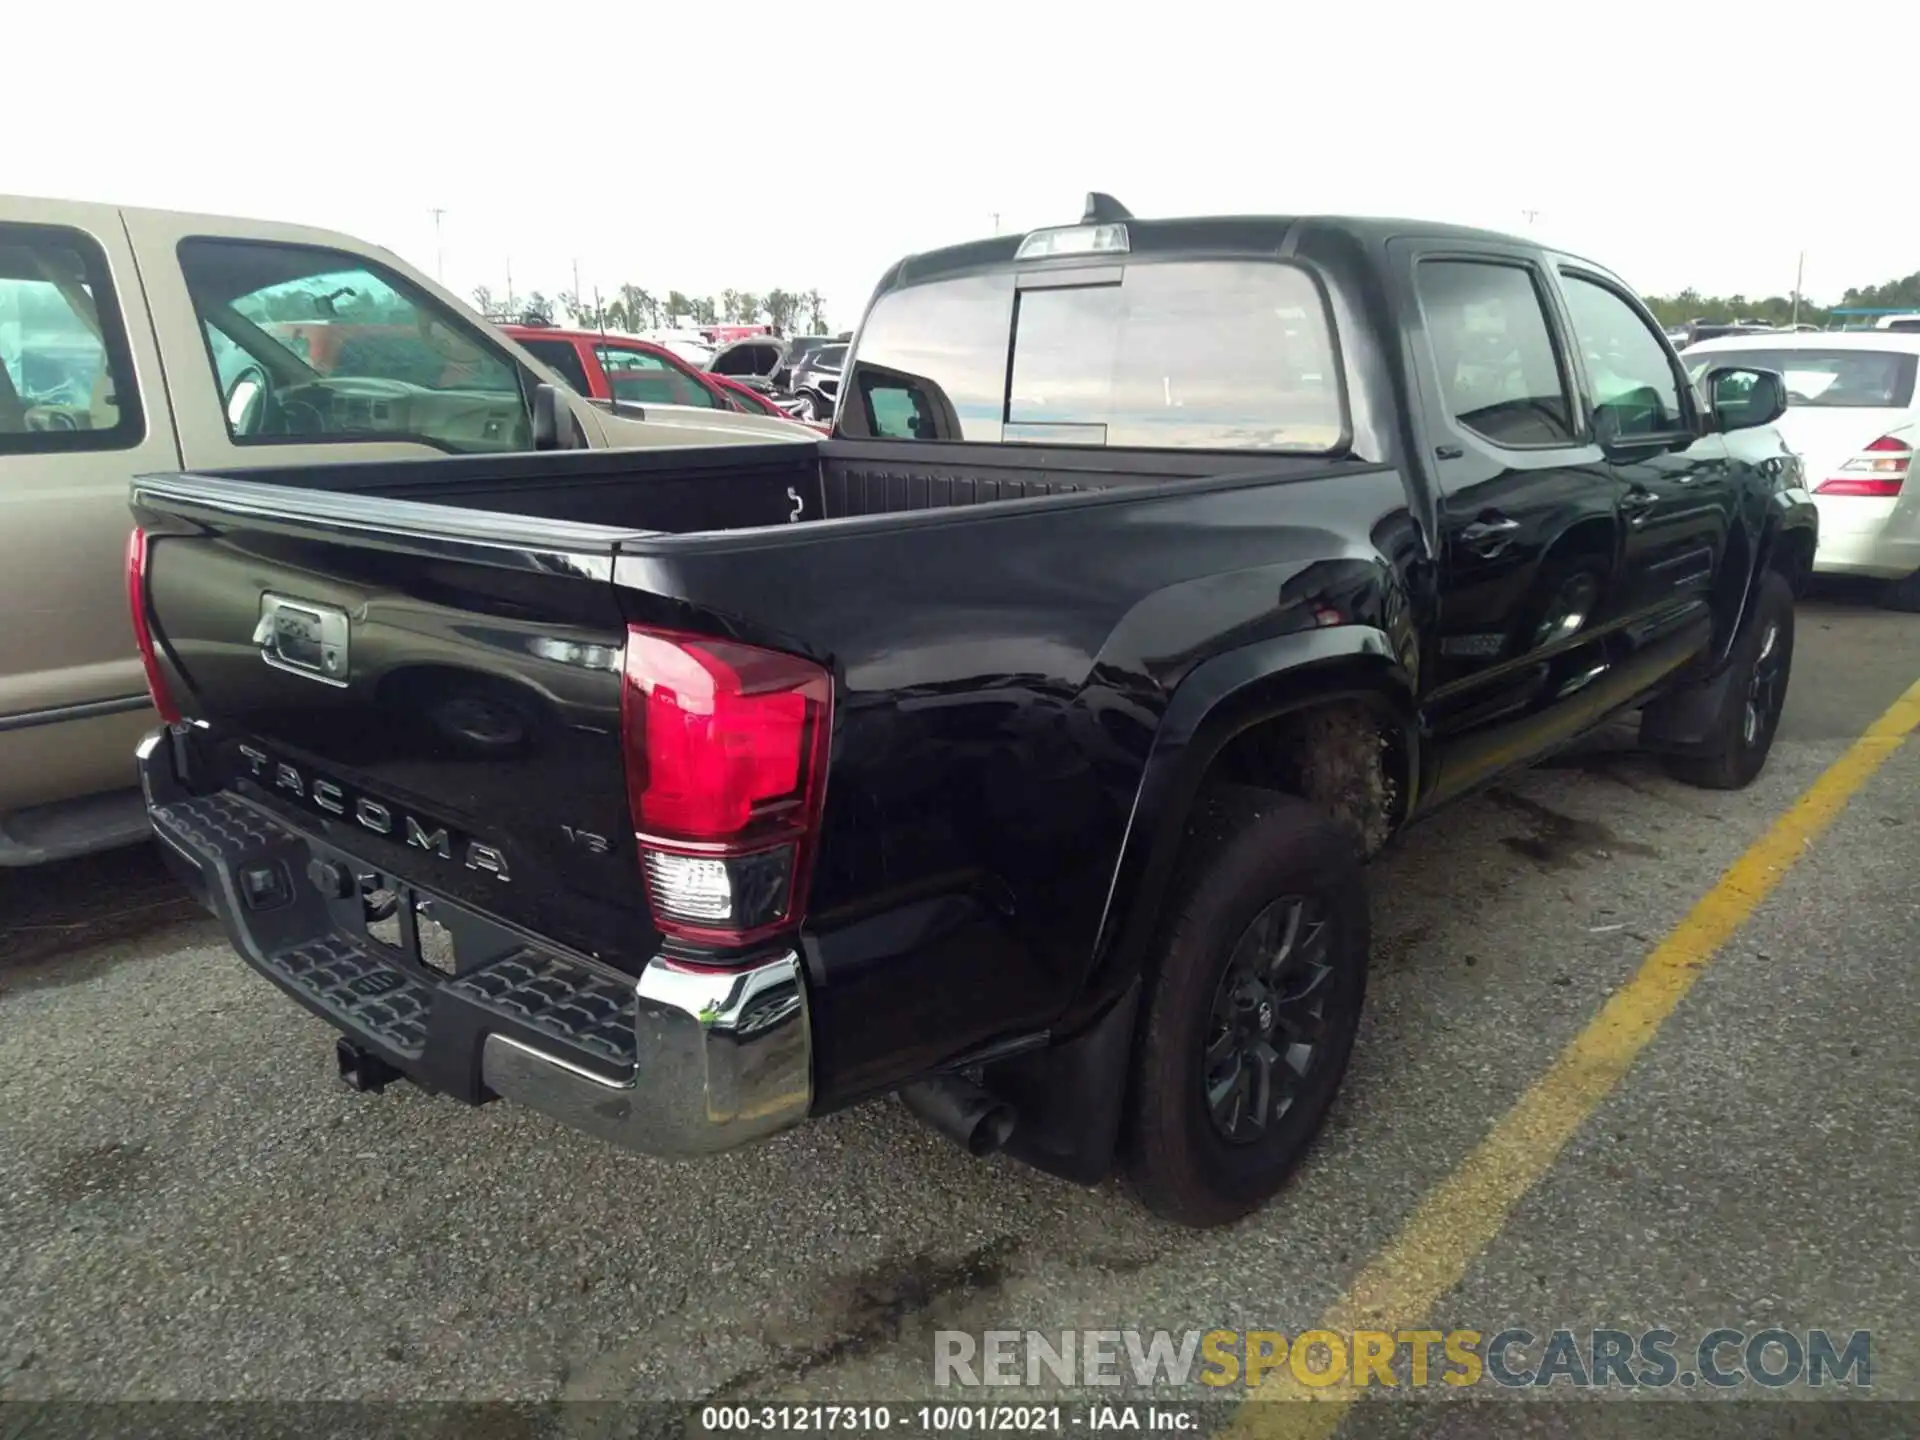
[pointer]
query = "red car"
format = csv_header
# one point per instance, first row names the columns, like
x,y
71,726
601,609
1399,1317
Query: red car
x,y
619,367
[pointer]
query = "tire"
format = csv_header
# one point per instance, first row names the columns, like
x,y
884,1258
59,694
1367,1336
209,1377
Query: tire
x,y
1253,854
1758,672
1902,594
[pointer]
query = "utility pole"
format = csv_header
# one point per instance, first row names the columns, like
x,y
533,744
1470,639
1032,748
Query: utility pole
x,y
1799,276
576,281
1532,215
439,255
509,285
996,222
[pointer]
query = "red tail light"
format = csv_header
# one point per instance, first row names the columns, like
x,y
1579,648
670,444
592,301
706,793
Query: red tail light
x,y
1880,469
726,751
142,634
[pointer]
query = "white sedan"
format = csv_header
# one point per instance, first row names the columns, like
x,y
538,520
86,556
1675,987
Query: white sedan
x,y
1853,417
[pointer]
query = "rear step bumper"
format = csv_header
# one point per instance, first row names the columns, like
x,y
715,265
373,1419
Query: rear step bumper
x,y
680,1063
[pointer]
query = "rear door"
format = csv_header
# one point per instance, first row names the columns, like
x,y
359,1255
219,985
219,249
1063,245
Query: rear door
x,y
82,409
1529,531
283,351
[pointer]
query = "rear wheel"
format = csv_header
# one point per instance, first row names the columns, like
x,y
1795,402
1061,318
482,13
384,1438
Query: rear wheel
x,y
1760,667
1902,594
1253,1006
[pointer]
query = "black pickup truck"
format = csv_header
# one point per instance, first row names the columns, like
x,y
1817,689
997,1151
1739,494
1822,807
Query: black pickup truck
x,y
1017,747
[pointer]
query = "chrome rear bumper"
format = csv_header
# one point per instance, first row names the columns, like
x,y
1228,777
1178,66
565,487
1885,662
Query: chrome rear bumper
x,y
681,1062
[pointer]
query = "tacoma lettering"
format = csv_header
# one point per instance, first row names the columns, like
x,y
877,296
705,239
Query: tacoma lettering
x,y
431,838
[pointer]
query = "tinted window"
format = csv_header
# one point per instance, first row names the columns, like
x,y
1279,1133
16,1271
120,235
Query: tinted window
x,y
562,356
895,412
66,381
1823,379
1500,375
1193,354
647,379
337,350
1635,390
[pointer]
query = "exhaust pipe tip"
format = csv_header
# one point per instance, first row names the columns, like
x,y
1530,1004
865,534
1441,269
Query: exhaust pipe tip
x,y
962,1111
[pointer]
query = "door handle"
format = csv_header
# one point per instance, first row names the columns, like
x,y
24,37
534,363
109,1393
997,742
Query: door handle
x,y
1637,502
1489,536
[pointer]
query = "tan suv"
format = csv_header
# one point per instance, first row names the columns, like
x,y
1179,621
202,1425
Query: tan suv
x,y
143,340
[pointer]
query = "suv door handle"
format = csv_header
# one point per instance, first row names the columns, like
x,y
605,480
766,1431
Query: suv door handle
x,y
1489,536
1636,502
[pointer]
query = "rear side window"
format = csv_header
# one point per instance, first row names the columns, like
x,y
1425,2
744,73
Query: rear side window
x,y
1493,352
66,378
1186,354
562,356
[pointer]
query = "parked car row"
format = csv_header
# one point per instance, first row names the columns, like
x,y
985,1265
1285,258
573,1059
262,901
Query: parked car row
x,y
626,368
801,374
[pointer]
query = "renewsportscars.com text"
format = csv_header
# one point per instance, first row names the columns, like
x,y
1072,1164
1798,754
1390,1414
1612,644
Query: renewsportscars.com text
x,y
1405,1359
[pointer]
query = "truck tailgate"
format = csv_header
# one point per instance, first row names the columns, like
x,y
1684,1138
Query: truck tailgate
x,y
439,695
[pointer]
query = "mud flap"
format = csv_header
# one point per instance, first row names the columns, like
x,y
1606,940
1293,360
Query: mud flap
x,y
1069,1098
1686,721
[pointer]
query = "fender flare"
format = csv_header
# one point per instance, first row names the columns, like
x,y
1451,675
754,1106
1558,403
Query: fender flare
x,y
1681,721
1218,700
1780,516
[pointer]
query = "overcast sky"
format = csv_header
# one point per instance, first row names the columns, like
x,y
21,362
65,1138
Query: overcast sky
x,y
811,143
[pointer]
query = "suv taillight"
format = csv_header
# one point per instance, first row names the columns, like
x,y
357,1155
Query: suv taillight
x,y
137,552
1879,469
726,754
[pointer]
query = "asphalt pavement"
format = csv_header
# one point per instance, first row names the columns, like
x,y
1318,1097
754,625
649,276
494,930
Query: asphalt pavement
x,y
193,1208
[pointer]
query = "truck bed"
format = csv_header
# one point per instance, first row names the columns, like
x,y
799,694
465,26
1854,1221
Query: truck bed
x,y
741,487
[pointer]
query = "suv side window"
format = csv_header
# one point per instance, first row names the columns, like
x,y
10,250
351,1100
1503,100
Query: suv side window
x,y
315,345
1500,372
1635,390
66,376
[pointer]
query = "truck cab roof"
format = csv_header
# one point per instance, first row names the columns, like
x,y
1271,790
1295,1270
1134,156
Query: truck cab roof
x,y
1190,236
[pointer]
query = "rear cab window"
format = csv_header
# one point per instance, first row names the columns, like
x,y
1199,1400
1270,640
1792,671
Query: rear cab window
x,y
1162,353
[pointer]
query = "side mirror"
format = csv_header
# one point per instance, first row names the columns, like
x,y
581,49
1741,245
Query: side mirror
x,y
240,402
1743,399
553,427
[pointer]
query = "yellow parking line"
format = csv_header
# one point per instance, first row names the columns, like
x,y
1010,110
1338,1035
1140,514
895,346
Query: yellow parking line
x,y
1461,1216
